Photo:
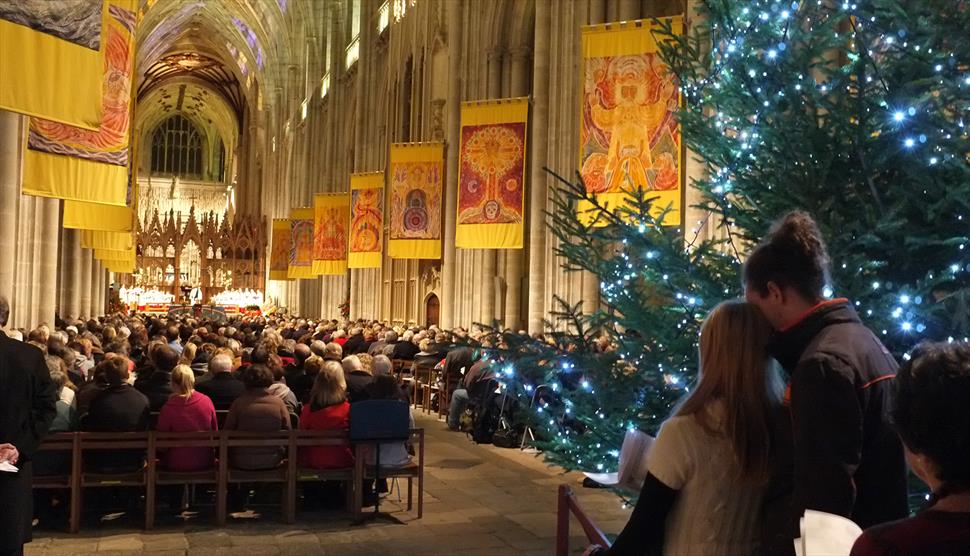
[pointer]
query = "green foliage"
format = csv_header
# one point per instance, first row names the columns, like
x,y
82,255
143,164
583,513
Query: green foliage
x,y
855,112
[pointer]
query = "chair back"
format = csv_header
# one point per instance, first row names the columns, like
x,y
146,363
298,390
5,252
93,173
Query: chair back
x,y
379,420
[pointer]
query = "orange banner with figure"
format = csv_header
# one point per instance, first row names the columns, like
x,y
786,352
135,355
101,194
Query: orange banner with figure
x,y
366,220
331,217
72,163
301,244
491,174
279,253
629,135
416,174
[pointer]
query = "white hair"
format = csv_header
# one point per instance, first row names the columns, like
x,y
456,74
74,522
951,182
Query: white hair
x,y
221,363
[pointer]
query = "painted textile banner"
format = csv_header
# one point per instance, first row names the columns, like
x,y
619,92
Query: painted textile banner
x,y
95,216
416,174
51,59
301,244
330,221
67,162
279,253
629,136
116,241
491,174
366,220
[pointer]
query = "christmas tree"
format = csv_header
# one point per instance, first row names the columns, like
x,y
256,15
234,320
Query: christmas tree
x,y
855,112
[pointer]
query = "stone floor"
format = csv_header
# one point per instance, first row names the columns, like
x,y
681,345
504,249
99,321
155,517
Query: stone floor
x,y
479,499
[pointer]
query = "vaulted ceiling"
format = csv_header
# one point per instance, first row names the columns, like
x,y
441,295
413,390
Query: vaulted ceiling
x,y
217,62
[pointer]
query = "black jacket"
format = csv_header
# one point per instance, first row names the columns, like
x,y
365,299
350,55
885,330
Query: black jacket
x,y
116,409
847,459
355,344
357,383
157,388
27,399
222,389
405,350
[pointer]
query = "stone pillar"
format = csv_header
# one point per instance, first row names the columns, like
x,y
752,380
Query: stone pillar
x,y
519,86
489,256
452,134
629,9
46,233
84,284
95,310
10,145
538,191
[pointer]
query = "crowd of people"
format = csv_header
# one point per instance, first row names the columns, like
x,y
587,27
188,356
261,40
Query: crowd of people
x,y
739,461
131,372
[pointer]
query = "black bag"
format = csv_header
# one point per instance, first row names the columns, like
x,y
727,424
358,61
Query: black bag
x,y
486,421
506,436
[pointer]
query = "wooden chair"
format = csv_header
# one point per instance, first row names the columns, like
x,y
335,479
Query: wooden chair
x,y
280,474
307,438
412,471
112,442
59,444
161,476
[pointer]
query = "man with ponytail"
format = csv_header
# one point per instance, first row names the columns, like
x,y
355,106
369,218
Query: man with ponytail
x,y
847,460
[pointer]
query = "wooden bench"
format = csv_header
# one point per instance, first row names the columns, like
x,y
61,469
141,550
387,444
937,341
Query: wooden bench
x,y
62,444
151,474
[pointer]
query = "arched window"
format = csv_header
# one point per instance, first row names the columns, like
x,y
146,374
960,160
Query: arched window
x,y
177,148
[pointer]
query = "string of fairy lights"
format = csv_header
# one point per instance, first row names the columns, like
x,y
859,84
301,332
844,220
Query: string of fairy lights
x,y
754,59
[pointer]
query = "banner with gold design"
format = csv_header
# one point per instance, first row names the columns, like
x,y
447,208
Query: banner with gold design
x,y
68,162
366,220
416,174
331,217
491,174
301,244
629,135
52,59
279,253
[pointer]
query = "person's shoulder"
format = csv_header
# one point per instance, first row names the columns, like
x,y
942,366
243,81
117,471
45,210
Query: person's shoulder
x,y
893,538
20,349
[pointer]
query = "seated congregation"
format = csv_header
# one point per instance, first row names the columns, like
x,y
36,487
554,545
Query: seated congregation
x,y
258,409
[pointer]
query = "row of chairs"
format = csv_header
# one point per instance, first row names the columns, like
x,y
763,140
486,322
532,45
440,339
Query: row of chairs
x,y
288,474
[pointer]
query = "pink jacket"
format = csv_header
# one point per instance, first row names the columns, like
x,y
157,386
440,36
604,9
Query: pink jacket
x,y
195,413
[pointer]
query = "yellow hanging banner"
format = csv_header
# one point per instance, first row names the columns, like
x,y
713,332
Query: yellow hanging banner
x,y
330,221
301,244
366,220
116,241
629,134
49,69
67,162
95,216
114,255
416,174
279,254
491,174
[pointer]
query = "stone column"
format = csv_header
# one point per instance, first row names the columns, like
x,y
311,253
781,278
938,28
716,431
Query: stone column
x,y
452,133
95,310
489,256
10,145
46,231
538,192
84,284
629,9
519,86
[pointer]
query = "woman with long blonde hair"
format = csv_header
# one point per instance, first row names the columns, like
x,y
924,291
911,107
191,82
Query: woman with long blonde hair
x,y
708,469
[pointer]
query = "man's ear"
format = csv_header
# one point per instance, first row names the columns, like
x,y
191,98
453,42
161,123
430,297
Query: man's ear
x,y
776,292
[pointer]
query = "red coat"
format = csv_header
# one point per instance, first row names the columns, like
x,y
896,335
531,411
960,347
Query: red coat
x,y
195,413
334,417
